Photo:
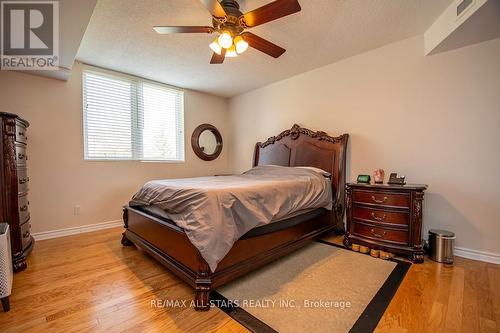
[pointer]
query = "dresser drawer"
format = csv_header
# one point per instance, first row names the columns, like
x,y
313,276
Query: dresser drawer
x,y
380,216
382,199
21,154
21,133
26,234
22,180
380,234
23,205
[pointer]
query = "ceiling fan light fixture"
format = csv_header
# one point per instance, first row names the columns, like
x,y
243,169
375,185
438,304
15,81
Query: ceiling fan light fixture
x,y
231,25
241,44
231,52
225,40
216,47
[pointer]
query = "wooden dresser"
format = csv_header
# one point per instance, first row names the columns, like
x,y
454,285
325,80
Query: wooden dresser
x,y
386,217
14,204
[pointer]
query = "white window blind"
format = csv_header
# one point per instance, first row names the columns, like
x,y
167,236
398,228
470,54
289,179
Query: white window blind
x,y
131,119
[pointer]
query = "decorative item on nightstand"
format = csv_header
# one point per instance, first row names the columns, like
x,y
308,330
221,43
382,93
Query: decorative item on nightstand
x,y
395,180
363,179
378,176
5,266
386,217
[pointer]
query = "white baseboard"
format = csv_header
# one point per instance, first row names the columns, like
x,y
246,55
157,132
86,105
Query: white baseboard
x,y
491,257
76,230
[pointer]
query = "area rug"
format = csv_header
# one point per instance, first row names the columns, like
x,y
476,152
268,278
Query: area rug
x,y
320,288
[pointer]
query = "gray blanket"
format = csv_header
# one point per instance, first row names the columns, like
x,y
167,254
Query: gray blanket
x,y
216,211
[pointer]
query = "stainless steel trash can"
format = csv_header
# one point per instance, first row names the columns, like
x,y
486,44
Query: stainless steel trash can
x,y
441,244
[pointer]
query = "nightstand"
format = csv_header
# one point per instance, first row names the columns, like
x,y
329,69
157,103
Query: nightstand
x,y
386,217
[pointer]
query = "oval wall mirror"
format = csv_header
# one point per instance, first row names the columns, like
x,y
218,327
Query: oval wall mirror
x,y
206,142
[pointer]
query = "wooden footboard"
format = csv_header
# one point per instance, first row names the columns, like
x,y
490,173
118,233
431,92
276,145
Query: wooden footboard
x,y
174,250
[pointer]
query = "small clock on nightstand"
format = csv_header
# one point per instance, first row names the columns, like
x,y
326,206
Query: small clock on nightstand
x,y
386,217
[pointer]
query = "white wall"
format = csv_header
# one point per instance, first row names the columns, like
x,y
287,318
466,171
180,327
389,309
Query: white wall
x,y
60,178
435,119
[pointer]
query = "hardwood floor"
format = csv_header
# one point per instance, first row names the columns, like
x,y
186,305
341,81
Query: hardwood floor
x,y
91,283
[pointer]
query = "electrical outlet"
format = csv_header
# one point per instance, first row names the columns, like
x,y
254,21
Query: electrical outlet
x,y
77,210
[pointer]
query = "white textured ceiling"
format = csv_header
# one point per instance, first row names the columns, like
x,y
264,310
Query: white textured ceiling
x,y
120,37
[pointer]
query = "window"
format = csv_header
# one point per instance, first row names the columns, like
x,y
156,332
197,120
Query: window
x,y
131,119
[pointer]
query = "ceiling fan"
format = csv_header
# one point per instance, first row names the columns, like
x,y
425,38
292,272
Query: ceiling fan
x,y
231,26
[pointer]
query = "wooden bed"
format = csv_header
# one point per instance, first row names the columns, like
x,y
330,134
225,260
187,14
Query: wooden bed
x,y
168,244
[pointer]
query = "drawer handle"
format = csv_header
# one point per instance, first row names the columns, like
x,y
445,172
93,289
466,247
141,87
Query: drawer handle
x,y
379,201
21,156
378,235
26,234
24,208
378,218
21,133
24,181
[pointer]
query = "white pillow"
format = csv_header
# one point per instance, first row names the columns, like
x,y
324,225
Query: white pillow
x,y
318,170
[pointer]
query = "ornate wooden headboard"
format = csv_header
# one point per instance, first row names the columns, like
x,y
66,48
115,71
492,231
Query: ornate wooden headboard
x,y
300,146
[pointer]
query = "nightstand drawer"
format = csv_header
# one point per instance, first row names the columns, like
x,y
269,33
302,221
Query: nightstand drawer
x,y
382,199
379,216
380,234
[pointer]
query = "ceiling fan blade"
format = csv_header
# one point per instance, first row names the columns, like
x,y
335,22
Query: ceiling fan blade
x,y
218,58
214,7
263,45
271,12
176,30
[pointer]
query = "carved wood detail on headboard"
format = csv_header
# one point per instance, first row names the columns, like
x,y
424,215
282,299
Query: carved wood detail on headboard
x,y
300,146
296,131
